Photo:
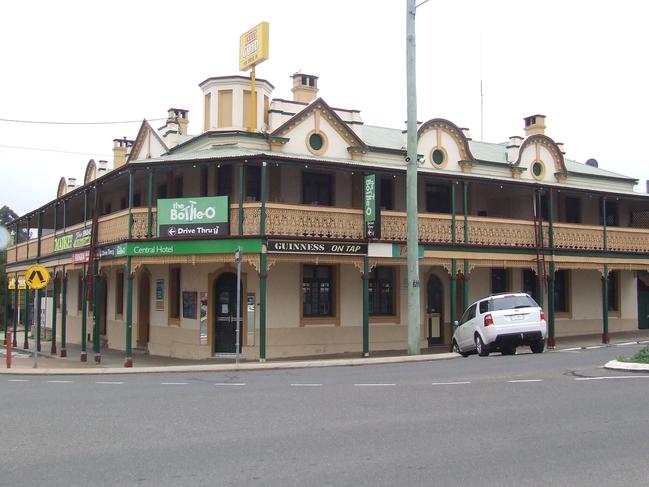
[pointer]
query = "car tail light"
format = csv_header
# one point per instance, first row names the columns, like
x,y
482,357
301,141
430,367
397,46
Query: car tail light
x,y
542,316
488,320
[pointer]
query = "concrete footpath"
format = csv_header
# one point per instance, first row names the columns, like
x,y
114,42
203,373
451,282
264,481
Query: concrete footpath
x,y
112,361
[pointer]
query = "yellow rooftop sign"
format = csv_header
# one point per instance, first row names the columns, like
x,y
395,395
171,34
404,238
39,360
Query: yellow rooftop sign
x,y
253,46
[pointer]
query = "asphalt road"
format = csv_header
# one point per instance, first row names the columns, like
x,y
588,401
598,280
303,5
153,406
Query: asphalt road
x,y
552,419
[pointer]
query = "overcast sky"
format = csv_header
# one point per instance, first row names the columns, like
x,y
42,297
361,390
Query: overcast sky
x,y
582,64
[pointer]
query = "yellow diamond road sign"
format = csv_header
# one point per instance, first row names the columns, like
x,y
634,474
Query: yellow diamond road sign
x,y
37,277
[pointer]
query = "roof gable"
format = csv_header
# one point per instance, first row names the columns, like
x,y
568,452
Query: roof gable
x,y
147,144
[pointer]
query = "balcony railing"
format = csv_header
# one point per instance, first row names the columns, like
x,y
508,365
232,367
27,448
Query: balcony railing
x,y
319,222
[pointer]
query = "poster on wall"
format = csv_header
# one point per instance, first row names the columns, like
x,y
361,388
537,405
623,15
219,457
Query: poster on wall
x,y
203,300
189,304
159,294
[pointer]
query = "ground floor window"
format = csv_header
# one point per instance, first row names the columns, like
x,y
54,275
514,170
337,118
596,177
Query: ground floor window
x,y
317,291
174,293
499,281
80,292
381,291
530,284
562,291
119,294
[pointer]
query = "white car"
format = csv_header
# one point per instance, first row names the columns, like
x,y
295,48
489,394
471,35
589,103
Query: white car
x,y
501,322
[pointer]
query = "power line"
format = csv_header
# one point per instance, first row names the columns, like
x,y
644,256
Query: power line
x,y
77,123
54,150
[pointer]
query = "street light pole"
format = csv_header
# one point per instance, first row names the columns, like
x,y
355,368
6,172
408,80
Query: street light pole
x,y
411,186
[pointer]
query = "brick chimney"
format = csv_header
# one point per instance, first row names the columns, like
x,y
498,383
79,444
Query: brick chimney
x,y
305,87
120,151
178,116
534,125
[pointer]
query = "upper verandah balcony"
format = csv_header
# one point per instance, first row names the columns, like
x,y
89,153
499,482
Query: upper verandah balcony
x,y
311,202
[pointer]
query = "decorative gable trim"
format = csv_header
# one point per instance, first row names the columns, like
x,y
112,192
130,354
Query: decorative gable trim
x,y
330,115
453,130
141,137
552,147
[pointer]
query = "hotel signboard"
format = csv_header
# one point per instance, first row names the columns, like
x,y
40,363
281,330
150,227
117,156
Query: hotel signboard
x,y
253,46
186,218
300,247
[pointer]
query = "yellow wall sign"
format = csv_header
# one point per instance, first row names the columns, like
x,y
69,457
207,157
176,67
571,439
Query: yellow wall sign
x,y
12,283
37,277
253,46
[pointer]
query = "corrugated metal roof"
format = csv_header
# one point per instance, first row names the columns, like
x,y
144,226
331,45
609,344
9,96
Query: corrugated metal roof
x,y
383,137
485,151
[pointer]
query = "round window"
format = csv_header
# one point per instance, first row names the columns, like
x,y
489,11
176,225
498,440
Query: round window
x,y
316,142
537,169
438,157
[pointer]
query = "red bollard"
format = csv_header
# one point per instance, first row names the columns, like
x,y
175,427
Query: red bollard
x,y
8,349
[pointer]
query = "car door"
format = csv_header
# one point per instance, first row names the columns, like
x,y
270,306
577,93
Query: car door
x,y
468,328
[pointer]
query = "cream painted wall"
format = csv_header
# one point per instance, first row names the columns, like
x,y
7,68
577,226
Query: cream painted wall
x,y
336,145
428,141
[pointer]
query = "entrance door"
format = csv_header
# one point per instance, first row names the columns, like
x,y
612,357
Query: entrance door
x,y
225,314
143,310
434,310
103,306
643,305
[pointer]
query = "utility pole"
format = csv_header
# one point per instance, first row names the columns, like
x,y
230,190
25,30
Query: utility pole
x,y
411,186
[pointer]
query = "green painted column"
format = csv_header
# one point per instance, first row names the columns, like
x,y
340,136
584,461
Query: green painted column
x,y
467,273
264,196
605,337
366,307
263,277
551,300
536,197
453,222
14,342
27,319
84,314
551,304
453,293
242,175
55,290
149,214
95,311
128,362
6,304
465,287
64,312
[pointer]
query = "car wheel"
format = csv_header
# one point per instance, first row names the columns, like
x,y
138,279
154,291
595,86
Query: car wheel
x,y
456,349
511,350
537,346
481,348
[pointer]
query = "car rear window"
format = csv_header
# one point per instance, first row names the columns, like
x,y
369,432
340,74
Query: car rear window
x,y
511,302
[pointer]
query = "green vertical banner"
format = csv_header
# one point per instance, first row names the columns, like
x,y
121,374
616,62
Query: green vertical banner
x,y
371,207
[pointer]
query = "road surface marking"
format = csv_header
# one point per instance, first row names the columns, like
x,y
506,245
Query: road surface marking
x,y
60,381
573,349
625,344
594,347
525,380
174,383
106,382
230,384
449,383
614,377
373,385
306,385
17,380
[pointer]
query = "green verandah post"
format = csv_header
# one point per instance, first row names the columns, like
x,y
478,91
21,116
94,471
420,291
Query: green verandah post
x,y
467,272
263,267
64,312
54,290
128,362
551,276
366,307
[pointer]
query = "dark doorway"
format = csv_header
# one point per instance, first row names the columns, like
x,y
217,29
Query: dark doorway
x,y
225,314
143,310
643,300
434,310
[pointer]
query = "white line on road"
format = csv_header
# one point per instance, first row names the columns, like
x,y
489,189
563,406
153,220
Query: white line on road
x,y
573,349
625,344
174,383
614,377
17,380
594,347
230,384
373,385
525,380
306,385
60,381
106,382
449,383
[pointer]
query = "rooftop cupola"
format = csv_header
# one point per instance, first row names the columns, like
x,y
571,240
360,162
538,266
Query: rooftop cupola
x,y
535,125
305,87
